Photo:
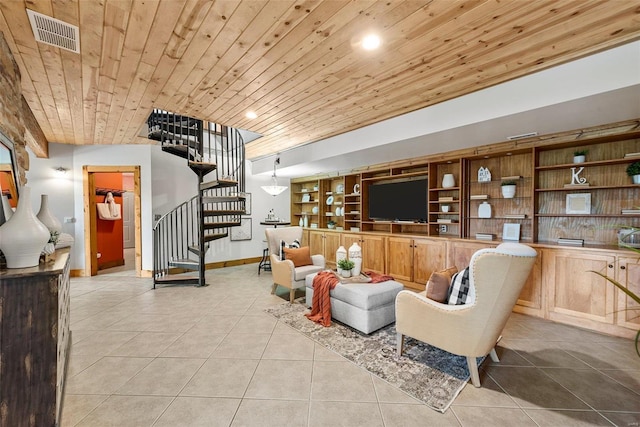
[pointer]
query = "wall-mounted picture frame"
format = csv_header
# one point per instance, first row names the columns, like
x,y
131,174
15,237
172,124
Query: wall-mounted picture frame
x,y
243,232
511,232
579,203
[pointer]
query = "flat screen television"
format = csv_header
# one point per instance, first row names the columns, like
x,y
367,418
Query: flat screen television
x,y
402,201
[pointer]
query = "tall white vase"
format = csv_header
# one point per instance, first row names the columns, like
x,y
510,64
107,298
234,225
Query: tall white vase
x,y
23,237
355,255
46,216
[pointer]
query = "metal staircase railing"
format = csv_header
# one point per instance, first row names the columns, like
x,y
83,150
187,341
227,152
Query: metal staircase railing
x,y
219,202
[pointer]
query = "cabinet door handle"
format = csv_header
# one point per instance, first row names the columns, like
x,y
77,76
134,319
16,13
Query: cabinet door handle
x,y
610,265
622,267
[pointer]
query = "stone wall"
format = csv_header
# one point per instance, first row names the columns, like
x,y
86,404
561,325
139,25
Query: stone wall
x,y
11,123
15,116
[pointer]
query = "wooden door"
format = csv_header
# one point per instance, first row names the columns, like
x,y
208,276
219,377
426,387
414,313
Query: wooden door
x,y
629,276
576,295
331,245
400,259
530,299
373,253
316,242
428,256
460,253
128,220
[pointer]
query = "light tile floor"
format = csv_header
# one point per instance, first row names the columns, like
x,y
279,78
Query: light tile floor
x,y
186,356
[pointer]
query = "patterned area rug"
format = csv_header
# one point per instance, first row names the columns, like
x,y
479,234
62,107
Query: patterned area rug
x,y
427,373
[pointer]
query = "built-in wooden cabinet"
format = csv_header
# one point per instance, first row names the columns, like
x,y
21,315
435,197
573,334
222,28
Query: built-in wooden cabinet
x,y
586,200
629,276
373,250
550,203
483,192
532,299
305,202
575,294
325,243
411,261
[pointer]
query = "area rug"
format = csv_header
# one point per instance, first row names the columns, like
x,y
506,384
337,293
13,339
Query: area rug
x,y
427,373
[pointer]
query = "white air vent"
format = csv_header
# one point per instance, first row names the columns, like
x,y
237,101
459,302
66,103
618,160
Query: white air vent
x,y
54,31
524,135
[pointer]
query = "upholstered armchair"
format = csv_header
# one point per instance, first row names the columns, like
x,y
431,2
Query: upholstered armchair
x,y
496,278
284,272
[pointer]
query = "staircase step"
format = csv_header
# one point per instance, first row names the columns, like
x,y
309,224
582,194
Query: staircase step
x,y
177,278
213,212
196,250
215,225
218,184
203,167
221,199
211,237
178,129
176,150
185,263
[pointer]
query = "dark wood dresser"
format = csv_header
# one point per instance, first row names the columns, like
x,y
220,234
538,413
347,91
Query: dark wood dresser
x,y
34,342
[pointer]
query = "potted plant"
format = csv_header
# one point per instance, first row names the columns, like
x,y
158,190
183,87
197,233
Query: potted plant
x,y
579,156
508,189
346,265
633,170
331,224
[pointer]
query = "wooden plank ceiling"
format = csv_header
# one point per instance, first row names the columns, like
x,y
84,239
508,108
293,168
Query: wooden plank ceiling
x,y
297,64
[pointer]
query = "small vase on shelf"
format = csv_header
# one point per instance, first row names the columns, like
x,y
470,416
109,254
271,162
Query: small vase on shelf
x,y
305,221
23,237
448,180
301,222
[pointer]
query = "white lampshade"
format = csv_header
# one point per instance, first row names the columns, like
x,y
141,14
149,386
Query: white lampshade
x,y
274,189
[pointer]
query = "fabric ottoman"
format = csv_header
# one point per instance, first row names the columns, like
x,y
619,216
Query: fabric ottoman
x,y
363,306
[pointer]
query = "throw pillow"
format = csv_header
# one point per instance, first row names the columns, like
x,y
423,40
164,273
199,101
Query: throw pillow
x,y
438,284
459,292
300,257
283,244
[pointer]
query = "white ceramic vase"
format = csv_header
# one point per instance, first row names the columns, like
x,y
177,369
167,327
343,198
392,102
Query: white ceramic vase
x,y
341,253
346,273
636,179
305,221
355,255
23,237
448,181
46,216
301,222
484,210
508,191
579,159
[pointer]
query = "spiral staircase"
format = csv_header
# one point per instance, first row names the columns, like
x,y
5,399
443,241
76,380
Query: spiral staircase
x,y
181,237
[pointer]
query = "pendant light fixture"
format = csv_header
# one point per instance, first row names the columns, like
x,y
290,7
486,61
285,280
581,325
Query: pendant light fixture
x,y
274,189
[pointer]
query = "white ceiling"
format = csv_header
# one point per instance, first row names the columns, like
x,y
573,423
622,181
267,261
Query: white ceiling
x,y
598,89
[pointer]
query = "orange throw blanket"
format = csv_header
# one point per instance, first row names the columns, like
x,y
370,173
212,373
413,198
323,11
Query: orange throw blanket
x,y
323,283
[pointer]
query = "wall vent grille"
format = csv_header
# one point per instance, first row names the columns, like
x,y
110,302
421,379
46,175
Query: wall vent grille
x,y
54,32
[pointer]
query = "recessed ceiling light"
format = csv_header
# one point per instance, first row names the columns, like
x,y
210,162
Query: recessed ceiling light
x,y
251,115
370,42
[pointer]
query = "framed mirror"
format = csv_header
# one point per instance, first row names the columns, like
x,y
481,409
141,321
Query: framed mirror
x,y
8,172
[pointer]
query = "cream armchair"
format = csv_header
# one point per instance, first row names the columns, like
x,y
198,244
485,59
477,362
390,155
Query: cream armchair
x,y
284,273
472,330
